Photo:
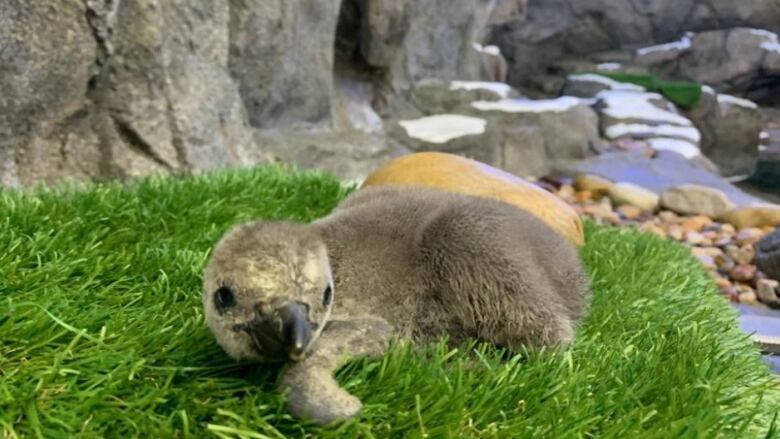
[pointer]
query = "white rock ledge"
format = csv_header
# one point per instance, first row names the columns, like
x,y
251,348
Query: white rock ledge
x,y
729,99
490,50
619,130
683,44
637,106
682,147
609,82
772,42
609,66
557,105
442,128
498,88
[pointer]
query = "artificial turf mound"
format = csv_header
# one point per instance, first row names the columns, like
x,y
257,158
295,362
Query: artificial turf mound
x,y
101,334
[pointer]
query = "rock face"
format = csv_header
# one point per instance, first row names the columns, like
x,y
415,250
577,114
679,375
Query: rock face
x,y
568,126
740,61
266,56
40,87
559,29
101,89
116,90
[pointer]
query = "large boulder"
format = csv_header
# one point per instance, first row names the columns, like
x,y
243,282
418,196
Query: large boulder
x,y
648,117
453,133
432,96
461,175
567,125
730,128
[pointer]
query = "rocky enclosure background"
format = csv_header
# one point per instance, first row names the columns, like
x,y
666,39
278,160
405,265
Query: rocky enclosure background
x,y
103,89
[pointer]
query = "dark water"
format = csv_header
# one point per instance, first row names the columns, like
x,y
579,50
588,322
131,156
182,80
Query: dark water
x,y
770,194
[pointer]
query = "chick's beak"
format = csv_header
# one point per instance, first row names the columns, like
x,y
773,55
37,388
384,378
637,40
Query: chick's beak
x,y
296,330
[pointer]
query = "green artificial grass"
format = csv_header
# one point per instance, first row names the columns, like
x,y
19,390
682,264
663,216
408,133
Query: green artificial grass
x,y
685,94
102,335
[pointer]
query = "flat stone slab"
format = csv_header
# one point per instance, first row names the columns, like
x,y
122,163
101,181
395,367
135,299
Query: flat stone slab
x,y
764,325
658,174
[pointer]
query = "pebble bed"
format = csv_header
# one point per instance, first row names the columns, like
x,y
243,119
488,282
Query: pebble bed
x,y
727,253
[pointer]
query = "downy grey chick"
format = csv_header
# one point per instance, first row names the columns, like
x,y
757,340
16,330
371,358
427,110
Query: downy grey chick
x,y
411,263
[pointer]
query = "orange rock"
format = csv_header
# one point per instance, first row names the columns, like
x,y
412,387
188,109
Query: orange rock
x,y
748,297
649,227
668,216
630,212
676,232
722,283
566,192
761,215
458,174
696,223
602,214
583,196
598,186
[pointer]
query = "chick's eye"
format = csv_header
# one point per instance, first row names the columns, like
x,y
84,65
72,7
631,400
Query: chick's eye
x,y
224,297
327,296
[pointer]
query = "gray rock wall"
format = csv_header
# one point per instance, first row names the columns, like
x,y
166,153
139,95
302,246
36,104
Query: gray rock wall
x,y
101,89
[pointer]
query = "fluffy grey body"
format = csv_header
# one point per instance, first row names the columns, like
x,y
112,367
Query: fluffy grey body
x,y
389,262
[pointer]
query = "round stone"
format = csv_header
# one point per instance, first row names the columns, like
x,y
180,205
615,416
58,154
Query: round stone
x,y
629,212
740,255
692,199
743,272
754,216
768,255
749,236
696,223
767,291
629,193
596,185
748,297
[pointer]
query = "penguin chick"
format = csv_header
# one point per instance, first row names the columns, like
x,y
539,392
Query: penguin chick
x,y
268,291
410,263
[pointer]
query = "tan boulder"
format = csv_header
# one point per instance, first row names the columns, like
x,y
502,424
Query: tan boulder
x,y
693,199
629,193
759,215
596,185
458,174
